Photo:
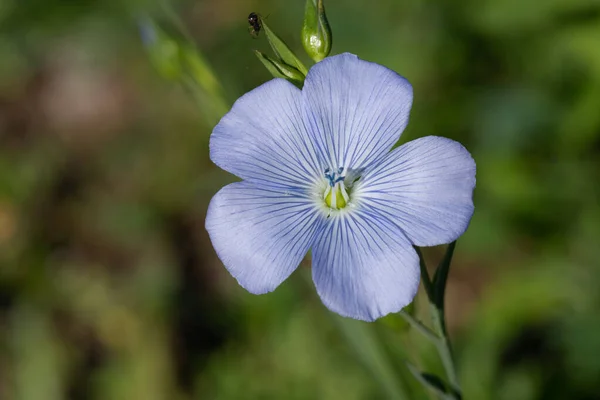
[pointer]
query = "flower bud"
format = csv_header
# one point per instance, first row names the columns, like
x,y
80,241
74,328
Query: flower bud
x,y
316,33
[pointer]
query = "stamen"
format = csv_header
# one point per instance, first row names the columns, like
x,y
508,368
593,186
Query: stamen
x,y
327,191
344,193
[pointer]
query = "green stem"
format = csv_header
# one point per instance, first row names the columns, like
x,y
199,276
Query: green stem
x,y
444,350
439,335
418,325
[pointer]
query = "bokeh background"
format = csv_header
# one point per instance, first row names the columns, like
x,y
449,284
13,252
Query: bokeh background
x,y
109,286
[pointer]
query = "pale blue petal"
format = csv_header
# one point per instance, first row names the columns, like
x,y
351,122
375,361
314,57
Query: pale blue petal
x,y
263,138
259,234
426,187
355,109
363,266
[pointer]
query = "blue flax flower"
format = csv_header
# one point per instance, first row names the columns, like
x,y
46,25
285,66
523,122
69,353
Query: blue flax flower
x,y
318,173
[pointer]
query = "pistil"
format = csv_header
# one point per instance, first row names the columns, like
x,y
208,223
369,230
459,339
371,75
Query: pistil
x,y
336,195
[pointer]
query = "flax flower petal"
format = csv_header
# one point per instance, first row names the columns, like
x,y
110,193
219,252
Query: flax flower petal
x,y
259,234
425,187
355,110
364,267
263,139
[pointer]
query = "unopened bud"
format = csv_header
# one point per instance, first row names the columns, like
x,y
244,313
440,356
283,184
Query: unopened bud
x,y
316,33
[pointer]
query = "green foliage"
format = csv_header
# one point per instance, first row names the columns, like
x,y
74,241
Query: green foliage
x,y
279,69
431,382
282,51
440,278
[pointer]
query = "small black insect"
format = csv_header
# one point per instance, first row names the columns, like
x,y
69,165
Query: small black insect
x,y
255,24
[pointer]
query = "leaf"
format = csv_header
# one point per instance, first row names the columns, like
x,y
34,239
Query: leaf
x,y
431,381
279,69
283,52
427,284
440,277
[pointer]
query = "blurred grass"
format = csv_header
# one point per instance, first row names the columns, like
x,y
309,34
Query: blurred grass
x,y
110,289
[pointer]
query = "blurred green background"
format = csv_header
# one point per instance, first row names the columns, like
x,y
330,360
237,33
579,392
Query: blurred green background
x,y
109,286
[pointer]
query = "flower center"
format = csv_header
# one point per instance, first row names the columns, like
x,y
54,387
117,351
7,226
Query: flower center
x,y
336,195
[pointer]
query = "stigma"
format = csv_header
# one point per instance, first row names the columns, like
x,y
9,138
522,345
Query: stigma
x,y
336,194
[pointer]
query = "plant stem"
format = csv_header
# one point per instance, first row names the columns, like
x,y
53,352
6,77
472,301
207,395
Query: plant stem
x,y
439,335
418,325
444,350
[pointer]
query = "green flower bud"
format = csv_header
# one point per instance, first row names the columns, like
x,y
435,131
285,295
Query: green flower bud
x,y
316,33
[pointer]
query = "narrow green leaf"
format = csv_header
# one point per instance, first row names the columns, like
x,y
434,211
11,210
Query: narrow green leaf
x,y
425,275
440,277
279,69
418,325
432,382
282,51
